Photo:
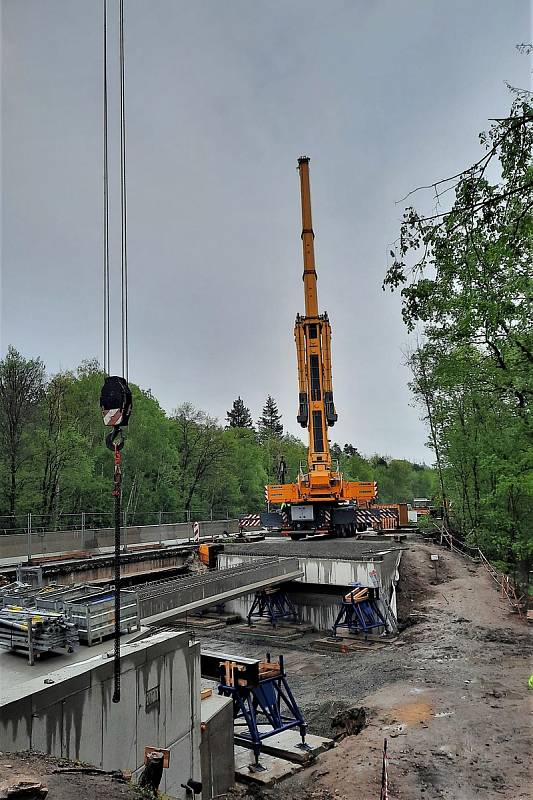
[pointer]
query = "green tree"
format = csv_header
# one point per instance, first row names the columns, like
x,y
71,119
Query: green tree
x,y
465,280
349,450
239,415
199,443
61,451
336,452
269,424
238,485
21,389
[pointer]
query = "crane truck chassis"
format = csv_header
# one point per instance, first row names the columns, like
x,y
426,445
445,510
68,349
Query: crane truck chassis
x,y
320,501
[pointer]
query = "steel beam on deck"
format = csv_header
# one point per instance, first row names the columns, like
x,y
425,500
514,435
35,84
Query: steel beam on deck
x,y
166,599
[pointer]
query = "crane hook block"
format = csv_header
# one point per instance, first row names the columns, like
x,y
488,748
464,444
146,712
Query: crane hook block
x,y
115,402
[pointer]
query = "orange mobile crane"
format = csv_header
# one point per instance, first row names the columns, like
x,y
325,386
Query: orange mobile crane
x,y
320,501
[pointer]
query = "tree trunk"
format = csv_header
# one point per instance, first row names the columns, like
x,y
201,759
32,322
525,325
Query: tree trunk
x,y
13,485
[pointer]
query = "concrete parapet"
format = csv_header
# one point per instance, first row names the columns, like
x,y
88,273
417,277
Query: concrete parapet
x,y
15,545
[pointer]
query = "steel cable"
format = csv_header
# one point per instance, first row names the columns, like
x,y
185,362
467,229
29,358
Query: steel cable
x,y
116,654
123,205
105,363
124,298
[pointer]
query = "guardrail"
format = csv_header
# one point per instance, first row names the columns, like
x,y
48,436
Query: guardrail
x,y
506,587
31,544
34,522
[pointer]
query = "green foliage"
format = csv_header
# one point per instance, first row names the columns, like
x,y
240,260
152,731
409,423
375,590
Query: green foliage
x,y
21,389
269,425
239,415
466,281
399,481
185,464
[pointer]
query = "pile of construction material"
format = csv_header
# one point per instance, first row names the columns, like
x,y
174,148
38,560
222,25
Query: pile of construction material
x,y
17,593
35,631
92,609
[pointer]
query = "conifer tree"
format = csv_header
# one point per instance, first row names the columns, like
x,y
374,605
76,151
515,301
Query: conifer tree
x,y
269,424
239,415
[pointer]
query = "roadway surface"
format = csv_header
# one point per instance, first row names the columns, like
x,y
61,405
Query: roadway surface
x,y
336,549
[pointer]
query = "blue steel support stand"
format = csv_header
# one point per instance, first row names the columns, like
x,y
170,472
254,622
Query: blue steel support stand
x,y
270,703
274,605
359,617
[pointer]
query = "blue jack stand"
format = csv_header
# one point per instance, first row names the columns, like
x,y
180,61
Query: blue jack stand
x,y
359,611
265,701
273,604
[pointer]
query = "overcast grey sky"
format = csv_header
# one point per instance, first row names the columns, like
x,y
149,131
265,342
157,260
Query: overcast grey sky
x,y
222,97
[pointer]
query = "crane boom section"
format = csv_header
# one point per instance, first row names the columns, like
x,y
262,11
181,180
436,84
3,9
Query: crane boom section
x,y
308,241
312,333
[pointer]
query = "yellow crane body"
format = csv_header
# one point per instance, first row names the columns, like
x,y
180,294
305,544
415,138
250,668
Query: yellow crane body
x,y
320,483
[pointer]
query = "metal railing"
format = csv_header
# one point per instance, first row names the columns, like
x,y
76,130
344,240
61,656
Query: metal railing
x,y
31,539
93,520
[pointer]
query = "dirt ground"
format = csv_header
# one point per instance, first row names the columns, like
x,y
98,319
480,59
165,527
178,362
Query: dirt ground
x,y
37,768
450,695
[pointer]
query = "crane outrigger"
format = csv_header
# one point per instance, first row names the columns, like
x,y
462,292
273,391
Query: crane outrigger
x,y
320,501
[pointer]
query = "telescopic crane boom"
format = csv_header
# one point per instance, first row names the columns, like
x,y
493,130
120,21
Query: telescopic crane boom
x,y
311,502
312,333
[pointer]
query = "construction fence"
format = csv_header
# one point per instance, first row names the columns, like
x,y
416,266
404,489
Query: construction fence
x,y
506,587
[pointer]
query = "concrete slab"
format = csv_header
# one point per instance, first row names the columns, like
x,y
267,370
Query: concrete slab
x,y
336,549
15,670
217,746
150,678
228,617
203,623
265,630
160,705
276,769
83,732
287,745
15,725
362,645
371,637
345,645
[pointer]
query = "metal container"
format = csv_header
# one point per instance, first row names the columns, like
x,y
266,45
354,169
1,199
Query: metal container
x,y
94,612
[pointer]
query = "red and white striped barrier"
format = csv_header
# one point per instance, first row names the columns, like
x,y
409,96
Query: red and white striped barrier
x,y
250,521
